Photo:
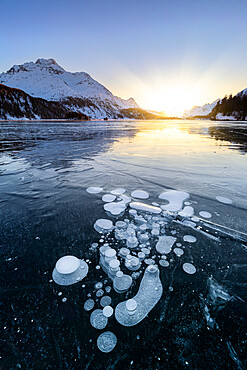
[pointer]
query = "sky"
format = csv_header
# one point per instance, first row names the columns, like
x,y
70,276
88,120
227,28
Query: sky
x,y
169,55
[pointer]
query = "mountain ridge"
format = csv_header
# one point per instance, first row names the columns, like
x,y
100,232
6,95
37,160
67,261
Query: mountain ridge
x,y
78,91
228,108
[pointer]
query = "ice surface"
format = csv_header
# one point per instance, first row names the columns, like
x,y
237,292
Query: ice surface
x,y
114,264
132,242
148,295
195,219
108,198
98,320
140,194
121,224
189,268
189,223
125,199
94,190
106,342
205,214
107,289
69,270
67,264
89,305
110,253
187,211
155,204
132,263
107,254
98,285
217,294
105,301
178,251
131,305
122,282
115,208
189,238
165,243
149,261
175,199
163,263
123,252
99,293
108,311
146,251
141,256
103,225
118,191
145,207
144,238
224,200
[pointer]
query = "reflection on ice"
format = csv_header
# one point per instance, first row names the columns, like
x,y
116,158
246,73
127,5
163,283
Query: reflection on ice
x,y
145,207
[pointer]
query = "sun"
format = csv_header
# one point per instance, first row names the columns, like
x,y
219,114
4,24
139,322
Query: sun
x,y
173,100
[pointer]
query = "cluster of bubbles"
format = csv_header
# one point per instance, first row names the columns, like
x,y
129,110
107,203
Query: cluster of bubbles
x,y
139,240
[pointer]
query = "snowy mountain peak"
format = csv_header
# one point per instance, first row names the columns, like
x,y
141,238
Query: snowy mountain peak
x,y
49,64
45,61
48,80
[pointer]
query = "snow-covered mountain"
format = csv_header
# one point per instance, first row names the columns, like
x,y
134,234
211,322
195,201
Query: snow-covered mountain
x,y
204,110
77,91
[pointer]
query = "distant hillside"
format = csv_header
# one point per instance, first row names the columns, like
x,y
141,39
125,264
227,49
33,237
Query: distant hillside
x,y
74,91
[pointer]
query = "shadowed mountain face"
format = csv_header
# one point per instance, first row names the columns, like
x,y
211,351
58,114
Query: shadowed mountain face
x,y
17,104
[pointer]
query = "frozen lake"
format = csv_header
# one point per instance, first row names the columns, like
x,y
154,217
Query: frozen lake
x,y
46,213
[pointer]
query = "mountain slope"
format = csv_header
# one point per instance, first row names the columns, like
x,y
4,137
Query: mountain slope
x,y
78,91
200,111
15,103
